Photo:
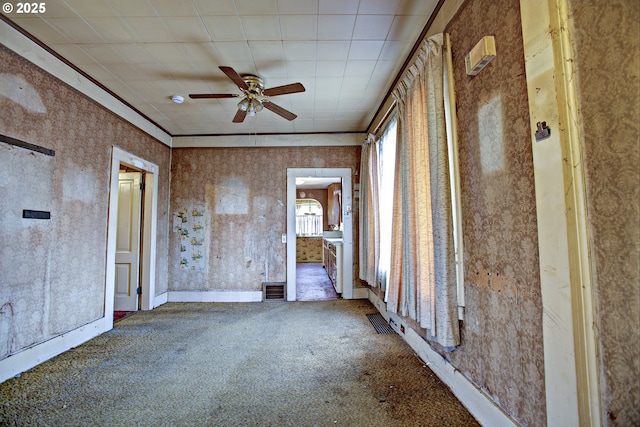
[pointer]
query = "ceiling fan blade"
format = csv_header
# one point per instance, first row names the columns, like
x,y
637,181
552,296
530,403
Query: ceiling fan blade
x,y
239,117
279,110
211,95
233,75
283,90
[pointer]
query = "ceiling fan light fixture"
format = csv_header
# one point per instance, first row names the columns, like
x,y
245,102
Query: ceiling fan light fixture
x,y
244,104
253,107
254,93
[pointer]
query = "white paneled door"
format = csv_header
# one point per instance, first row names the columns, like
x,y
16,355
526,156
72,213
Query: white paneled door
x,y
128,242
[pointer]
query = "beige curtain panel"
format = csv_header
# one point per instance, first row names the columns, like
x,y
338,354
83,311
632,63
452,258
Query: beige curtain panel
x,y
369,213
422,283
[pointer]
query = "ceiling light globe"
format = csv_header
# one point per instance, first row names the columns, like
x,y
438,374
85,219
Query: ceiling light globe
x,y
244,104
251,110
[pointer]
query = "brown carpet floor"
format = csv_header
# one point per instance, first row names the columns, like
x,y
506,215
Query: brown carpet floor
x,y
236,364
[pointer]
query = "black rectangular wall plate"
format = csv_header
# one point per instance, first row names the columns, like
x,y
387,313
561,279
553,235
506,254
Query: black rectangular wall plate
x,y
26,213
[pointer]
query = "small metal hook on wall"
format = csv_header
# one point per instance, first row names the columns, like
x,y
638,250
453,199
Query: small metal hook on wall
x,y
543,131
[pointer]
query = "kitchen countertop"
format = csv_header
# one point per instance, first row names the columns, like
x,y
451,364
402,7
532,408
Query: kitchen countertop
x,y
334,241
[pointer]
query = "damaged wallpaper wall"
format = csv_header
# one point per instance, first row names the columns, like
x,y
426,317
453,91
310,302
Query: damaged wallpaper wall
x,y
53,271
502,346
243,192
607,49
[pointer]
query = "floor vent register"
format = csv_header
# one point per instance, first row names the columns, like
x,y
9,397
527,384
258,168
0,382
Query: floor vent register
x,y
379,323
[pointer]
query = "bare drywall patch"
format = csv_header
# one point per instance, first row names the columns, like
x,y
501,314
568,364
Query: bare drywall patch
x,y
318,162
7,326
261,205
231,196
25,183
79,185
17,89
490,136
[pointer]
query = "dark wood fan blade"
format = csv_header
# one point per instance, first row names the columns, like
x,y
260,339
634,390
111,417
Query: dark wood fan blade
x,y
233,75
211,95
279,110
239,117
283,90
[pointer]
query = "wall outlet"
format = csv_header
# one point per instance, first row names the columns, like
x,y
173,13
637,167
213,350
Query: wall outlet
x,y
284,237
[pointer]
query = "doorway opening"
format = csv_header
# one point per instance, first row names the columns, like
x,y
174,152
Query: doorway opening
x,y
314,218
129,237
131,241
315,282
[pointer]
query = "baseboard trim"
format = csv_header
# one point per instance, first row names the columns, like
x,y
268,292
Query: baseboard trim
x,y
360,293
163,298
33,356
480,405
214,296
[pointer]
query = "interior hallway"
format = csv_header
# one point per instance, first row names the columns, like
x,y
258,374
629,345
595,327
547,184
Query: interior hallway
x,y
236,364
313,284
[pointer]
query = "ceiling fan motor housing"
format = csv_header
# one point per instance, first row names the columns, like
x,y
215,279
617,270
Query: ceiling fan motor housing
x,y
255,83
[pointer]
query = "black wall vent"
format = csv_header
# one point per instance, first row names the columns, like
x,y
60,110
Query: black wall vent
x,y
274,291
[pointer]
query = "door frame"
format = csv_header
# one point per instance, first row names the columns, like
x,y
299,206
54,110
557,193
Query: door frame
x,y
347,231
148,228
569,337
135,178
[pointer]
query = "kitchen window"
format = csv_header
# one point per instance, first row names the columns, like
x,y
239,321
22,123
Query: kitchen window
x,y
308,217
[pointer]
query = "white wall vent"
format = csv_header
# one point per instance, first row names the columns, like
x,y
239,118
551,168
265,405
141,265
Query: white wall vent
x,y
482,54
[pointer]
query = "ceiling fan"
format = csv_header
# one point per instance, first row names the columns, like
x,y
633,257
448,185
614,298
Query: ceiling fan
x,y
254,95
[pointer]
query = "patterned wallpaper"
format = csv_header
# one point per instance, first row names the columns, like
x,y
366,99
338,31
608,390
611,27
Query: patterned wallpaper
x,y
502,347
243,192
607,61
53,271
309,249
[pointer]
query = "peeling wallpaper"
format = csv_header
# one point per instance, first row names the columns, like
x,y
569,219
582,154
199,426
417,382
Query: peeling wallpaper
x,y
607,45
52,272
244,194
502,345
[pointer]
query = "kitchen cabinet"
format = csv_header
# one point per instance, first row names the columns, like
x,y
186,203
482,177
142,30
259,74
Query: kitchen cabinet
x,y
332,256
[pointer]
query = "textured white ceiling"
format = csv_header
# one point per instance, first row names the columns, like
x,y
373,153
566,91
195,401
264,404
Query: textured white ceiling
x,y
313,182
345,52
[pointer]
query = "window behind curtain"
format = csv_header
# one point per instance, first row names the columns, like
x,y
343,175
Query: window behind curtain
x,y
387,160
308,217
